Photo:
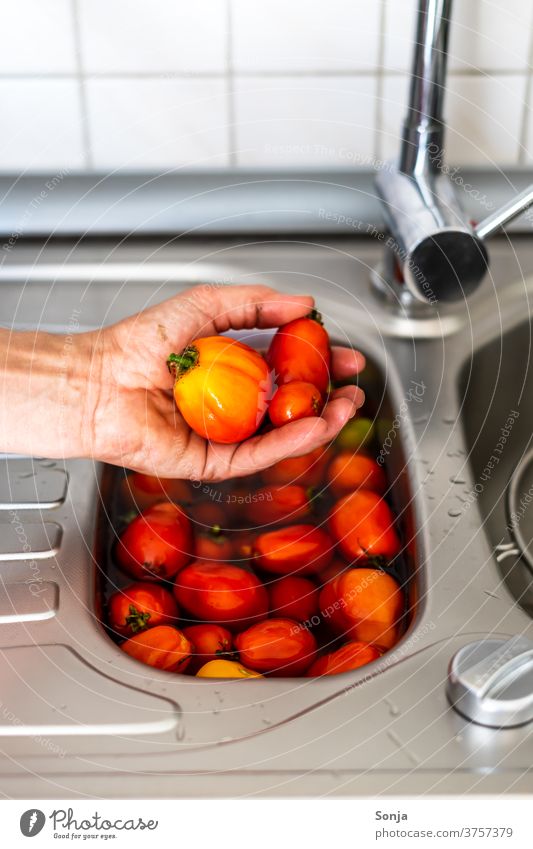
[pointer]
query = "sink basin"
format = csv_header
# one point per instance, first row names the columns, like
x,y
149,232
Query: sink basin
x,y
388,730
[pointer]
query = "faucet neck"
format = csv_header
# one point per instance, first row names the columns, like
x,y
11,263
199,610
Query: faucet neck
x,y
423,131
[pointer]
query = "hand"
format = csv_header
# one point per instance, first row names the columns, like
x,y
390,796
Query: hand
x,y
111,399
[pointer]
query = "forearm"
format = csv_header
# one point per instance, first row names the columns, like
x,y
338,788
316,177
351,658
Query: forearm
x,y
45,406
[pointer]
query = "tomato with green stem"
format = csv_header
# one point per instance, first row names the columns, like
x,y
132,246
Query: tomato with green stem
x,y
140,606
221,388
363,527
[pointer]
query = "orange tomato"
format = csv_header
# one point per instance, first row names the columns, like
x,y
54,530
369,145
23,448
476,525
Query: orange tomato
x,y
156,544
362,525
226,669
221,388
300,351
222,593
306,470
365,604
293,401
139,606
351,656
163,647
275,503
294,598
348,471
296,548
279,646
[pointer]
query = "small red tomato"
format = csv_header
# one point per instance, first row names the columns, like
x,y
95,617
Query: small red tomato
x,y
300,351
209,642
222,593
221,388
143,491
213,545
294,598
205,515
163,647
362,525
306,470
140,606
365,604
156,544
351,656
278,504
348,471
297,548
295,400
280,646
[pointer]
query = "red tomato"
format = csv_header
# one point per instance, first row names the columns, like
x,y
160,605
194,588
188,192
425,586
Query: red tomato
x,y
300,351
141,606
222,593
307,470
348,471
351,656
221,388
213,545
297,548
281,646
145,490
366,604
295,400
278,504
209,642
362,525
206,515
163,647
156,544
294,598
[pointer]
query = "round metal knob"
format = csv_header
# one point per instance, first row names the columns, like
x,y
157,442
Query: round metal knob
x,y
491,682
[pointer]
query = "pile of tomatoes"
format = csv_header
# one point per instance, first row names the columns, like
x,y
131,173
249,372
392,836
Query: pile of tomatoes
x,y
290,572
290,382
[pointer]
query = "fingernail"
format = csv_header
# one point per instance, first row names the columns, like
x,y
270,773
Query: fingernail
x,y
299,299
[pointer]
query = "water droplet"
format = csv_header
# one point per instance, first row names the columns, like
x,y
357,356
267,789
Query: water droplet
x,y
454,513
448,421
266,721
226,739
420,419
457,480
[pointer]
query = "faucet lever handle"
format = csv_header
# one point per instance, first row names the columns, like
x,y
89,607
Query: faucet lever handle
x,y
505,213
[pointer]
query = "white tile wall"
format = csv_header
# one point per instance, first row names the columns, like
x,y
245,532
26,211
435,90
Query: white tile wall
x,y
158,84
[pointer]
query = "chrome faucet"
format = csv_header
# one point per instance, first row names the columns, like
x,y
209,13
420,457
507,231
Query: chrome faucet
x,y
435,254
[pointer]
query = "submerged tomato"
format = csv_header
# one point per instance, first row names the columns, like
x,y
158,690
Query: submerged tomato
x,y
144,490
362,525
295,400
226,669
279,646
163,647
156,544
213,545
221,388
140,606
351,656
306,470
209,642
278,504
297,548
294,598
365,604
222,593
348,471
300,351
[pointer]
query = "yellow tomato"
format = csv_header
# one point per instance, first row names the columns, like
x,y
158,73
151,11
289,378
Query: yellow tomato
x,y
226,669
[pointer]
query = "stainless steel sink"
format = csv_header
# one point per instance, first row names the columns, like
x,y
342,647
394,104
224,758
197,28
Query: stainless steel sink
x,y
80,717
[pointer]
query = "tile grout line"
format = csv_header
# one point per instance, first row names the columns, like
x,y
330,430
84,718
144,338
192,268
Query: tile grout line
x,y
523,134
230,87
380,80
85,128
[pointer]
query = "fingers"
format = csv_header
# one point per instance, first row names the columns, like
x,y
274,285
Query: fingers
x,y
244,307
345,362
298,437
